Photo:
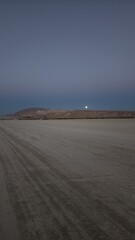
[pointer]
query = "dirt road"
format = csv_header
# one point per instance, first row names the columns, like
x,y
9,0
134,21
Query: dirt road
x,y
67,180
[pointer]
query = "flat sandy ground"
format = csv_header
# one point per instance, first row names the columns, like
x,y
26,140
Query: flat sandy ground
x,y
67,179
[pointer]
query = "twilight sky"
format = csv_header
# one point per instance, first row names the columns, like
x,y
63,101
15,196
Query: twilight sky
x,y
66,54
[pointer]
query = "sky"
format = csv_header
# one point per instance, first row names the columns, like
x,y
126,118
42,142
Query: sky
x,y
65,54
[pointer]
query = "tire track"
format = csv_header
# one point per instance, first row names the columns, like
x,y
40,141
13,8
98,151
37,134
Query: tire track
x,y
76,217
86,223
26,209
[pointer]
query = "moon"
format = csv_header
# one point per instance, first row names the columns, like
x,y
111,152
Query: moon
x,y
86,107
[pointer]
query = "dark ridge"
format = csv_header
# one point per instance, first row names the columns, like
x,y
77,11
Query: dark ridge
x,y
45,113
30,110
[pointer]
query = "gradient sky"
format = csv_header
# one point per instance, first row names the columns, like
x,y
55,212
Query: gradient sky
x,y
66,54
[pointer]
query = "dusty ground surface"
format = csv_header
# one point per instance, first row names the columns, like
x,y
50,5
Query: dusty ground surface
x,y
67,179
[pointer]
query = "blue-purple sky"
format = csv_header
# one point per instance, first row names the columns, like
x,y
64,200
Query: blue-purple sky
x,y
66,54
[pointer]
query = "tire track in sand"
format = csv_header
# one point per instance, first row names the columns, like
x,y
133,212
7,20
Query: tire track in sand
x,y
60,201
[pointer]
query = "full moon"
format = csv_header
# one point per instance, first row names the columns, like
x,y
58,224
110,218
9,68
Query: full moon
x,y
86,107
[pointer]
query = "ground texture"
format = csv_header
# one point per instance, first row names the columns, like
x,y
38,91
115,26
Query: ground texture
x,y
67,180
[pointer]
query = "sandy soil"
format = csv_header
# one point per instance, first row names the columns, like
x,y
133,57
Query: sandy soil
x,y
67,180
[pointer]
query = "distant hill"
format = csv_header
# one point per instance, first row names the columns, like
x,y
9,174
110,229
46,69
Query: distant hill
x,y
45,113
30,110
